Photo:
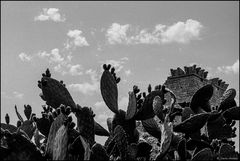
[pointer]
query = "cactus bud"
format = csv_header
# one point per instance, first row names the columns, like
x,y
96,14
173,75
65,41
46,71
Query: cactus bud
x,y
50,116
69,119
19,123
62,108
109,66
144,94
7,119
54,114
68,110
149,88
118,80
44,83
104,66
140,101
58,111
139,96
135,89
112,70
48,74
27,111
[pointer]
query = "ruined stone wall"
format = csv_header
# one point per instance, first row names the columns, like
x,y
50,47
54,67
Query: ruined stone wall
x,y
184,83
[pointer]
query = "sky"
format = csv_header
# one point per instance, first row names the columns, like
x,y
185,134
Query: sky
x,y
142,40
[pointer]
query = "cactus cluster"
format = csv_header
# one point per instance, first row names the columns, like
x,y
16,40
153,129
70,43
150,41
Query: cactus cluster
x,y
204,132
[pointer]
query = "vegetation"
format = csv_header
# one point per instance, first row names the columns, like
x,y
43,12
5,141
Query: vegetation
x,y
204,132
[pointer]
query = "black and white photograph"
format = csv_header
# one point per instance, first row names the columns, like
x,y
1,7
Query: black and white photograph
x,y
120,80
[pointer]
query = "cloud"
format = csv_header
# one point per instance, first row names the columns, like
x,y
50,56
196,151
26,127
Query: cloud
x,y
55,56
117,64
50,14
74,69
128,72
117,34
86,87
180,32
62,62
230,69
25,57
18,95
78,39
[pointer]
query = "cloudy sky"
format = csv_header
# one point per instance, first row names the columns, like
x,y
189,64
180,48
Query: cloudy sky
x,y
143,40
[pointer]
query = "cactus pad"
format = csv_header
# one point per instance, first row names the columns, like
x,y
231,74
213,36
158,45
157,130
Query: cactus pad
x,y
98,153
85,123
121,141
132,106
58,122
226,151
99,130
200,100
158,107
109,91
192,124
151,126
55,93
60,144
227,100
232,113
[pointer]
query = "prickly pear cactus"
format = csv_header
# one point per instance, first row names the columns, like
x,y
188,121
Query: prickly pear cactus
x,y
204,154
226,151
58,122
28,125
232,113
54,92
98,152
200,100
108,86
192,124
121,141
60,144
132,106
151,126
18,147
227,100
85,123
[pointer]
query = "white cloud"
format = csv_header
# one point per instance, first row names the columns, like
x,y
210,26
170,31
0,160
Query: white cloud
x,y
75,69
86,87
25,57
50,14
230,69
117,64
18,95
43,54
117,34
128,72
55,56
180,32
62,62
78,39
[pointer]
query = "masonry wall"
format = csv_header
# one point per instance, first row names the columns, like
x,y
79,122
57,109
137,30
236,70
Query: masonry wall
x,y
184,83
